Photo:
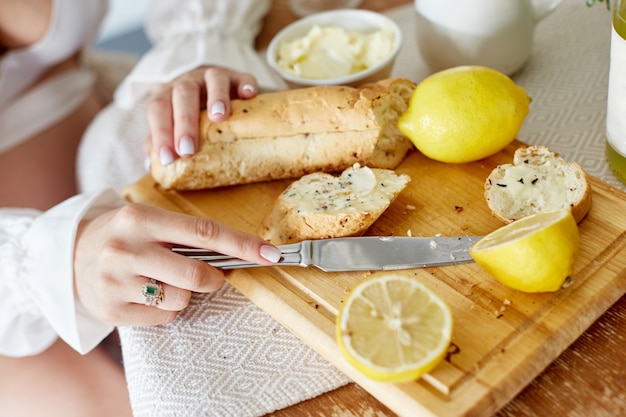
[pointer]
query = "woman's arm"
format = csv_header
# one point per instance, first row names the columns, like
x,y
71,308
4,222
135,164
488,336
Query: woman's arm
x,y
78,269
36,277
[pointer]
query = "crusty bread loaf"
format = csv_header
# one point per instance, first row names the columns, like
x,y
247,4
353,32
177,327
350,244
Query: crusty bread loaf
x,y
321,205
538,180
291,133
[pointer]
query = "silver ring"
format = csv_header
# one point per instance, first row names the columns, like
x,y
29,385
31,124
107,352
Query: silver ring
x,y
153,292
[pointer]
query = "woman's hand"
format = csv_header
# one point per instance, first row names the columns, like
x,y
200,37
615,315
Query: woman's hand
x,y
119,251
174,109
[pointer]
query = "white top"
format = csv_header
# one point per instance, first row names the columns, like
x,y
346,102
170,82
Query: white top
x,y
36,277
36,280
25,110
197,33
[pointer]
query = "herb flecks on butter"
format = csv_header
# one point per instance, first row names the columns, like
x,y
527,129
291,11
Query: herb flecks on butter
x,y
353,191
531,187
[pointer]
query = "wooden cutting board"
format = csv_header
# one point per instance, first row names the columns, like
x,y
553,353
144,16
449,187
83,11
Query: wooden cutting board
x,y
502,338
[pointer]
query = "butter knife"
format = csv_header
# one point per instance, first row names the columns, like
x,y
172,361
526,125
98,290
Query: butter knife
x,y
356,253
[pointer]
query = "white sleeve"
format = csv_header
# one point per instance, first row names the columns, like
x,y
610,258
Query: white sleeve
x,y
37,279
189,33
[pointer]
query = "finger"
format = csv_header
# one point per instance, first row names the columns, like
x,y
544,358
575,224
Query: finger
x,y
147,151
147,144
178,274
160,229
170,298
246,85
206,233
218,93
186,110
141,315
181,229
161,122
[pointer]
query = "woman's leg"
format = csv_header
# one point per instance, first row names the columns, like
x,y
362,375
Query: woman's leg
x,y
61,382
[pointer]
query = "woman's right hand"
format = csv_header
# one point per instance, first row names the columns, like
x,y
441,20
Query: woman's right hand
x,y
174,108
119,251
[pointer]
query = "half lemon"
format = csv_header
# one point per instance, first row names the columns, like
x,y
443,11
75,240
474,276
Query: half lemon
x,y
533,254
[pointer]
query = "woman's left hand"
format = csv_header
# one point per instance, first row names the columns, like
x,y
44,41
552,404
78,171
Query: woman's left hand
x,y
120,251
174,109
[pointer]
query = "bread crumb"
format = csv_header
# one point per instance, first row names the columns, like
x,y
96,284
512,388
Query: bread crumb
x,y
410,207
499,313
409,233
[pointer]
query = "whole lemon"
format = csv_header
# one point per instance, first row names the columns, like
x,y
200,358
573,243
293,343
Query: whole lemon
x,y
464,114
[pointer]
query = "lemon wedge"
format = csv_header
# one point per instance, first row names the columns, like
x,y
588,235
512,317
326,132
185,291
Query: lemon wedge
x,y
464,114
393,329
533,254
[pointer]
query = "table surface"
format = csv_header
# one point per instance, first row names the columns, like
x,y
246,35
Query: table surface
x,y
589,378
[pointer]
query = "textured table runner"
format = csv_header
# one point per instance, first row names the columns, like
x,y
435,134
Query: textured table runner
x,y
225,357
566,77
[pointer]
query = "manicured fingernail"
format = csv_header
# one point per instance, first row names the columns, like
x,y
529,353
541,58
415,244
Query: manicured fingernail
x,y
165,155
248,87
218,108
270,253
147,163
186,147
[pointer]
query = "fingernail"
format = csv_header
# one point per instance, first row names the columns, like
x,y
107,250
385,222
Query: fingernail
x,y
186,147
270,253
218,109
147,163
248,87
165,155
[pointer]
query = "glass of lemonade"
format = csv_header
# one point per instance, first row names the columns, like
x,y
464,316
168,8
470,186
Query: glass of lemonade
x,y
616,100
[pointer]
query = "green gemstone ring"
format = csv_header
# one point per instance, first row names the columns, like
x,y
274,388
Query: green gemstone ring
x,y
153,292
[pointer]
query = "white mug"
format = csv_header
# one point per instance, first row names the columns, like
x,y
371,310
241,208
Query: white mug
x,y
494,33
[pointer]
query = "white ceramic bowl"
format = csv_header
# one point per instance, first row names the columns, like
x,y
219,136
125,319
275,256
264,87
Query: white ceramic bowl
x,y
349,19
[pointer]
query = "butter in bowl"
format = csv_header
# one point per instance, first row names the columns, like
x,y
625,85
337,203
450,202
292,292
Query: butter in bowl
x,y
339,47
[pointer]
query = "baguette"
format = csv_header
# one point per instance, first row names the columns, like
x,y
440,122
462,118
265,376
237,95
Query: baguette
x,y
537,181
292,133
321,205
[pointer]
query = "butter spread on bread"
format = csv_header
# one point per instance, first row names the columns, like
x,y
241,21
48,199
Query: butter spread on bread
x,y
537,181
291,133
321,205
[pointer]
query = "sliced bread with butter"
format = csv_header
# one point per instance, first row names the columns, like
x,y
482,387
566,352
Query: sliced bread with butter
x,y
291,133
538,180
321,205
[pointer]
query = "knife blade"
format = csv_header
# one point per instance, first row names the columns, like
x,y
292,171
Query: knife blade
x,y
357,253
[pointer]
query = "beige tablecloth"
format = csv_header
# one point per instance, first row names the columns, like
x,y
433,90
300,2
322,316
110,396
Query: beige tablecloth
x,y
225,357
